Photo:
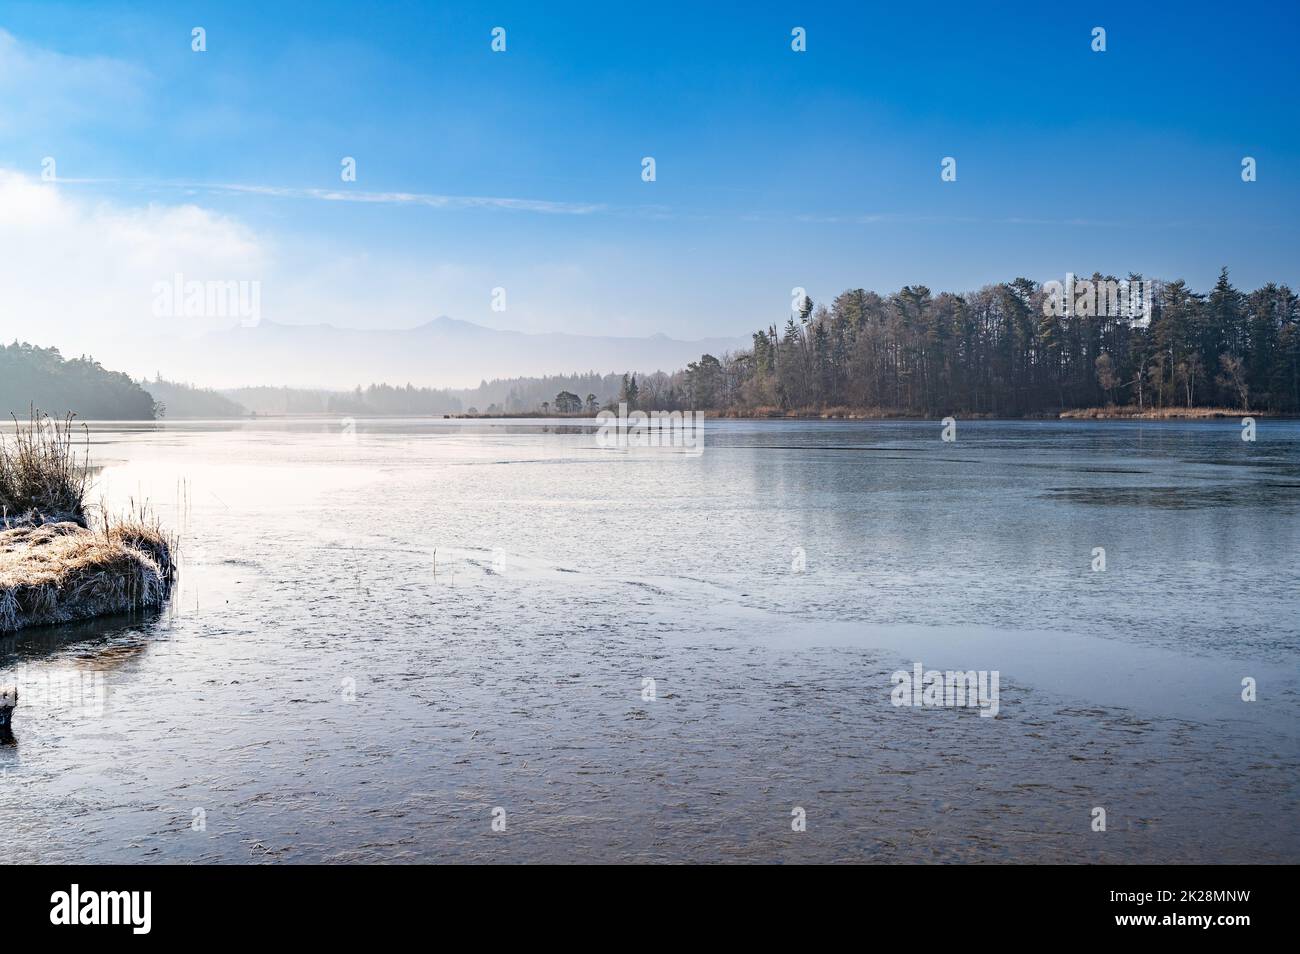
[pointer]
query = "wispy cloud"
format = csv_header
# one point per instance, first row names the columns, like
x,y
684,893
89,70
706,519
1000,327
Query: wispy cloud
x,y
555,207
423,199
429,200
44,90
81,273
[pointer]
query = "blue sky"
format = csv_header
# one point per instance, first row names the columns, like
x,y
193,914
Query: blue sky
x,y
775,169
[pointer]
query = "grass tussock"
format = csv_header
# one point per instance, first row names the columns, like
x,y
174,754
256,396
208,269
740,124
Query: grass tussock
x,y
61,572
43,479
836,412
55,568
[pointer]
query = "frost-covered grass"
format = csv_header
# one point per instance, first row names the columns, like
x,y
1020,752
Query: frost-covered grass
x,y
42,476
60,572
54,568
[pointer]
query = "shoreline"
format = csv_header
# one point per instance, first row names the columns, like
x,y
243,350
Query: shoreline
x,y
763,414
879,414
1074,415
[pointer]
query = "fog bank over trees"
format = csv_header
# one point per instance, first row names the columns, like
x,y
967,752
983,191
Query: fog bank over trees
x,y
43,378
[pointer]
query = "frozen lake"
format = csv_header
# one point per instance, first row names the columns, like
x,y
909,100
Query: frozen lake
x,y
388,630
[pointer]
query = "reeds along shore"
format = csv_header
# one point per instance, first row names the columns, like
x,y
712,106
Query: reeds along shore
x,y
1083,413
42,479
54,566
1159,413
842,413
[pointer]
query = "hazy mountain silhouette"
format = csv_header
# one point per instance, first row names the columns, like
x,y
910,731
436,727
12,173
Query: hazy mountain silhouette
x,y
443,352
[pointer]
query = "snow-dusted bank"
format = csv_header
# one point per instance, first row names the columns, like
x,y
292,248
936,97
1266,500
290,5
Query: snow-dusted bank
x,y
61,572
54,568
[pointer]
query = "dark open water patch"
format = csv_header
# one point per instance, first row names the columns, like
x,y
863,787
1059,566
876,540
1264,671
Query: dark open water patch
x,y
1266,495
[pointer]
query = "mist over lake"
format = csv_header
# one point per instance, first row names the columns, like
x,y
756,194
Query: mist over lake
x,y
389,633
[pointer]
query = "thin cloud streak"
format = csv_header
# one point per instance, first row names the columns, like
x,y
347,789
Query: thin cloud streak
x,y
552,207
433,201
423,199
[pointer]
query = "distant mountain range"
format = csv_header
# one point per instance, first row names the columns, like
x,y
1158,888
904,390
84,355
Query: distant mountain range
x,y
443,352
